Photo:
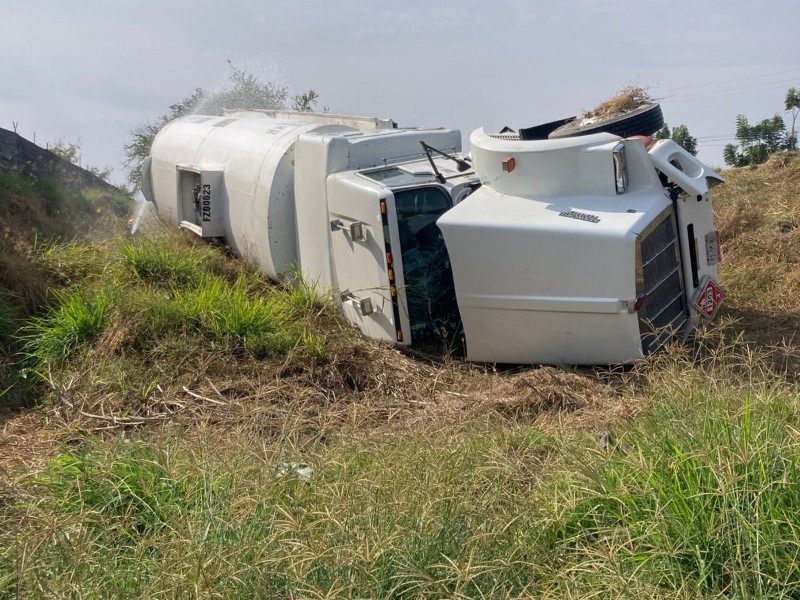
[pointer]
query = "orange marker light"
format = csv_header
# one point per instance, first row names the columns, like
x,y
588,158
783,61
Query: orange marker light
x,y
383,207
509,163
399,336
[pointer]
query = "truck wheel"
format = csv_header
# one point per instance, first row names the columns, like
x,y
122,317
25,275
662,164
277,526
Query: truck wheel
x,y
645,120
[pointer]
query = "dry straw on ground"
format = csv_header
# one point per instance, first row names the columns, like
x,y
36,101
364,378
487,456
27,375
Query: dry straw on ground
x,y
364,387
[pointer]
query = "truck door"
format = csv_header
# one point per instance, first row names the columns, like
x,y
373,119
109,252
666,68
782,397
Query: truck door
x,y
390,261
362,260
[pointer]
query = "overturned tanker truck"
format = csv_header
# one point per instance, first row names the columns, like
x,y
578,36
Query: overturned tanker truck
x,y
566,243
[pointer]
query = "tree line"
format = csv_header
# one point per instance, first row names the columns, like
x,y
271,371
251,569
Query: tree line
x,y
755,141
758,140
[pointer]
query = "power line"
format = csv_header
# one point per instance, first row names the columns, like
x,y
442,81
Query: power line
x,y
756,86
723,93
718,136
726,81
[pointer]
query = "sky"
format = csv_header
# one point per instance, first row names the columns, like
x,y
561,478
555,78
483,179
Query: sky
x,y
91,70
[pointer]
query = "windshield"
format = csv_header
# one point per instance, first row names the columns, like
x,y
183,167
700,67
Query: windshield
x,y
393,176
430,291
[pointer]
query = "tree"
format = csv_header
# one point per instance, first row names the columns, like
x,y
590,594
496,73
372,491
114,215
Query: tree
x,y
792,106
142,136
756,142
242,91
663,133
68,151
71,152
731,156
680,135
305,102
683,138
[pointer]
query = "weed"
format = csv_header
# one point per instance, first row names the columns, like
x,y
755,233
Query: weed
x,y
699,494
74,262
136,487
118,203
247,314
52,193
304,299
428,480
158,264
256,322
78,317
696,498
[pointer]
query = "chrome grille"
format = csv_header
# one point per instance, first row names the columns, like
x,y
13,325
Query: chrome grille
x,y
660,282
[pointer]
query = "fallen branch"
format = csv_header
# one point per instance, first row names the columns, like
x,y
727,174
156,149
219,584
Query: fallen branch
x,y
203,398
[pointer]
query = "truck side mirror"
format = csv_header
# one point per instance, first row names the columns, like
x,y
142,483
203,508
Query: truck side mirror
x,y
356,229
620,168
364,305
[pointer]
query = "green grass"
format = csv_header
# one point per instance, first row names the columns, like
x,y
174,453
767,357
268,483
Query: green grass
x,y
117,203
135,303
75,263
76,318
257,322
45,206
135,487
696,499
11,184
158,264
54,196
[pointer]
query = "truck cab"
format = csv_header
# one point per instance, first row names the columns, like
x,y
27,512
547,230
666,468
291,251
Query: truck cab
x,y
385,254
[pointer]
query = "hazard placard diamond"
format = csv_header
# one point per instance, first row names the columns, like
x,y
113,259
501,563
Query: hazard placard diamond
x,y
708,298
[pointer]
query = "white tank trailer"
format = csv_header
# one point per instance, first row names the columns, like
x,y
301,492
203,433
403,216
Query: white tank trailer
x,y
537,246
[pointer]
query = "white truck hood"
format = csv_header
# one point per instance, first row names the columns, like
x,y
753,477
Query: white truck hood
x,y
549,278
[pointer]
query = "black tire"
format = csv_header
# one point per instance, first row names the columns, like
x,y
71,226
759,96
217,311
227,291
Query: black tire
x,y
645,120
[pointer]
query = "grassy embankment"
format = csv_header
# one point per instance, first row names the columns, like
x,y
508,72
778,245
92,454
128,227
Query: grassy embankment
x,y
35,214
184,398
